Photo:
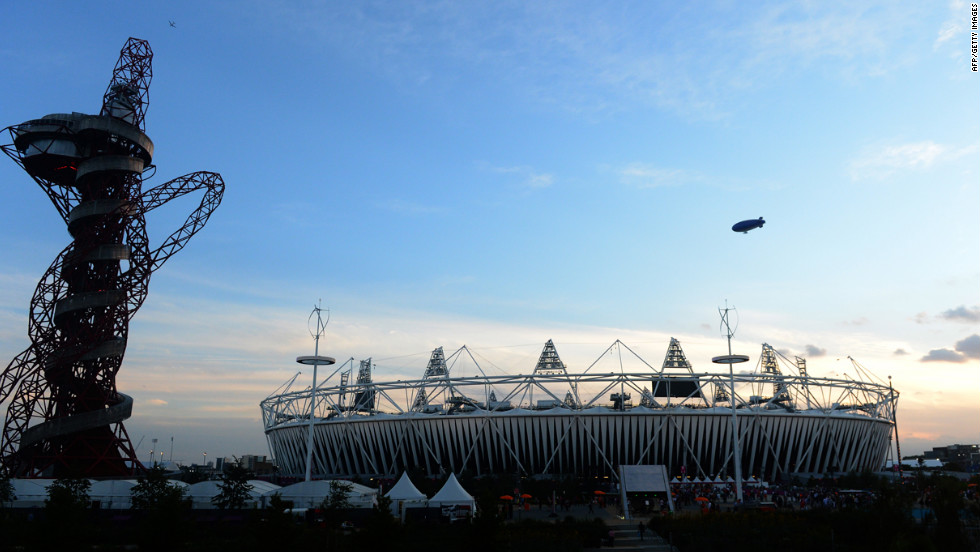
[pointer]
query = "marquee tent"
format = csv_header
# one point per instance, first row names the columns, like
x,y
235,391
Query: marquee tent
x,y
453,494
310,494
202,492
404,494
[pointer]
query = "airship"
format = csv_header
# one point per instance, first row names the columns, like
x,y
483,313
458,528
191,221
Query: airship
x,y
747,225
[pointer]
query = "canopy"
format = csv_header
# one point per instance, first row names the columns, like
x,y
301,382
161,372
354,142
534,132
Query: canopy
x,y
452,494
405,490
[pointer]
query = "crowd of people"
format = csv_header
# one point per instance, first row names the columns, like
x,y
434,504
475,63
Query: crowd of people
x,y
709,497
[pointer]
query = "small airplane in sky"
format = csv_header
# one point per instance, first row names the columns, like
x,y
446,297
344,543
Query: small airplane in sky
x,y
747,225
172,24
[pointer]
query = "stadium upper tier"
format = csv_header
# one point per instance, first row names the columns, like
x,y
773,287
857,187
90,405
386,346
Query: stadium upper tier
x,y
550,421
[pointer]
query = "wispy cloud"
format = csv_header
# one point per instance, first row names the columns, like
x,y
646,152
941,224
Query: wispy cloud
x,y
884,161
955,25
644,175
528,176
592,59
411,208
859,321
881,162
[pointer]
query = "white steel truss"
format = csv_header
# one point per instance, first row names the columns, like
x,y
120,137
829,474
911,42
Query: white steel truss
x,y
787,423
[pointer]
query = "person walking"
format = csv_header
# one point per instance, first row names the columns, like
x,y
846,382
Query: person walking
x,y
642,528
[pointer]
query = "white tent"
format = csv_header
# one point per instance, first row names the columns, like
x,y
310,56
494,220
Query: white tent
x,y
405,494
117,494
405,490
261,490
310,494
113,494
30,493
202,492
452,494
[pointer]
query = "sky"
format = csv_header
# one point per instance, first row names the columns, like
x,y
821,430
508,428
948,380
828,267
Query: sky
x,y
497,174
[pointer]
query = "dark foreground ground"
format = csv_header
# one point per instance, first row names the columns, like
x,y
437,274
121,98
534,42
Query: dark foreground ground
x,y
922,515
875,529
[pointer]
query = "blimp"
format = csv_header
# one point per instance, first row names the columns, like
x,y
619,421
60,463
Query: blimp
x,y
747,225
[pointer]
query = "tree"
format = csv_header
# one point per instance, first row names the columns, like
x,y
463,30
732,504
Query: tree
x,y
235,490
69,494
947,501
338,498
6,489
155,492
67,502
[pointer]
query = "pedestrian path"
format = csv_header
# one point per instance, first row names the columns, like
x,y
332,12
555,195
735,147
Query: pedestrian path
x,y
626,536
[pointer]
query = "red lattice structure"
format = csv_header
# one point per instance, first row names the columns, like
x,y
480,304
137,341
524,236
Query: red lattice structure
x,y
64,413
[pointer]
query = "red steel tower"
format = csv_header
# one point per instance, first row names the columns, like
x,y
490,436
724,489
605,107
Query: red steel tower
x,y
65,415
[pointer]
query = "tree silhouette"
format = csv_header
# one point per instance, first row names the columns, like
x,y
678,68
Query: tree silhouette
x,y
155,492
66,513
235,490
6,489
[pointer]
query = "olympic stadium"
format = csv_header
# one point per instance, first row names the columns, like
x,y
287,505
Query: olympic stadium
x,y
548,421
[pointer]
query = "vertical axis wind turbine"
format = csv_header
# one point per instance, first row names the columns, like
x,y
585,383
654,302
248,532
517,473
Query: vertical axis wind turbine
x,y
315,361
731,359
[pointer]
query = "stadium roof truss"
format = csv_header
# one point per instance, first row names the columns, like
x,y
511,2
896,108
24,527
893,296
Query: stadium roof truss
x,y
550,421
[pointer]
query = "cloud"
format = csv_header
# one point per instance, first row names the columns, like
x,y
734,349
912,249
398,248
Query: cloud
x,y
409,207
900,352
884,161
962,314
943,355
642,175
592,59
969,347
539,180
157,402
814,351
955,25
531,178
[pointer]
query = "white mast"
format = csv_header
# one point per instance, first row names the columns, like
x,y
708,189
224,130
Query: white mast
x,y
731,359
315,360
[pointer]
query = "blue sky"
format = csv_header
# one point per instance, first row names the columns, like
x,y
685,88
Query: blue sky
x,y
502,173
